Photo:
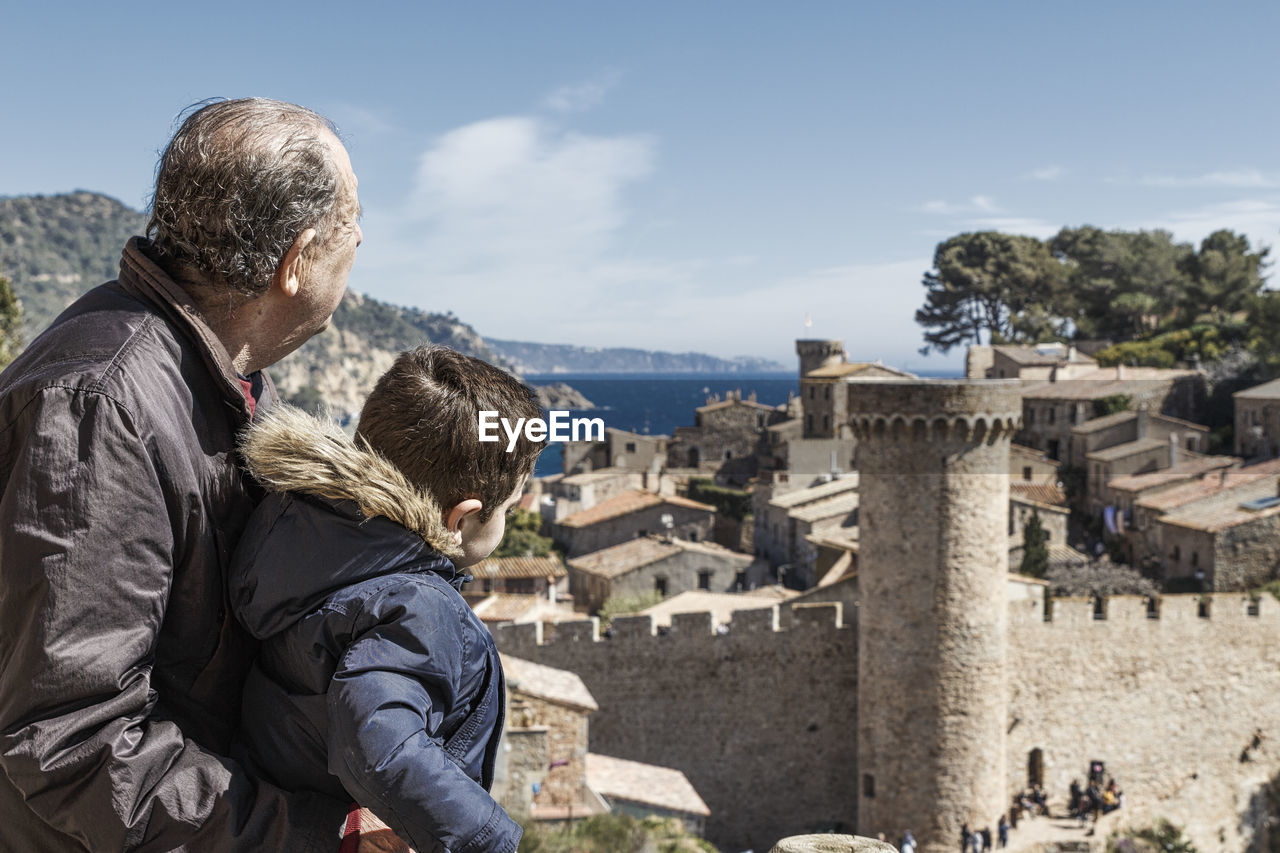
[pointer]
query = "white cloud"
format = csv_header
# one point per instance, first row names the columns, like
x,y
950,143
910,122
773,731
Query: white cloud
x,y
977,204
581,96
1229,179
983,203
1028,225
1259,218
1048,173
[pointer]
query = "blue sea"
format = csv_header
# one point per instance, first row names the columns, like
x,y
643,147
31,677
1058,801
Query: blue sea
x,y
657,403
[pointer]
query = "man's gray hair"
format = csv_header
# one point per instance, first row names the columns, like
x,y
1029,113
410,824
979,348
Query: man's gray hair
x,y
237,184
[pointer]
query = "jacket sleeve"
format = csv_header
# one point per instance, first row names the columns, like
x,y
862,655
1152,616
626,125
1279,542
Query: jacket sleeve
x,y
387,702
86,561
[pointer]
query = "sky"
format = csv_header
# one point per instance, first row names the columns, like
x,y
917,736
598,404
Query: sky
x,y
685,176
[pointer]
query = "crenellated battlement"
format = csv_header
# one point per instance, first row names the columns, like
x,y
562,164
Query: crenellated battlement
x,y
983,426
684,627
1231,609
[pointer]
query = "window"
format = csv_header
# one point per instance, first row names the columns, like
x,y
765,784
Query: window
x,y
693,535
1031,416
812,392
740,581
1177,554
1195,559
1052,414
827,392
826,422
704,579
809,422
660,586
1026,472
631,447
1203,610
868,786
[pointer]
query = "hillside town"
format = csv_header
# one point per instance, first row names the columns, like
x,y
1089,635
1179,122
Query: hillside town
x,y
739,555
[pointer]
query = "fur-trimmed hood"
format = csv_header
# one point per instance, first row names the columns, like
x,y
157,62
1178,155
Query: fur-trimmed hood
x,y
288,450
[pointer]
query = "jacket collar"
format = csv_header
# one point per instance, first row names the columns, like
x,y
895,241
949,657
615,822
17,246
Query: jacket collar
x,y
288,450
144,278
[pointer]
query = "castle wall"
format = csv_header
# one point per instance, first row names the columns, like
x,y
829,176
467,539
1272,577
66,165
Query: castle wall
x,y
1170,705
761,721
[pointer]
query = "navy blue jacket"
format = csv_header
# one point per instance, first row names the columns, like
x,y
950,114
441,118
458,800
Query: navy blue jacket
x,y
374,678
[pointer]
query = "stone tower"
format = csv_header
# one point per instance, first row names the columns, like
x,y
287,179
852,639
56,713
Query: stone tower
x,y
933,709
814,354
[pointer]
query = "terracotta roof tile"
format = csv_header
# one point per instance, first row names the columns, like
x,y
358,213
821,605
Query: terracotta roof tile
x,y
546,682
627,503
519,567
1041,493
647,784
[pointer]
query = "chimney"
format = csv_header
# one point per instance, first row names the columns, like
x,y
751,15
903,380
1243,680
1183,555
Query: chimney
x,y
1142,422
1173,449
1120,371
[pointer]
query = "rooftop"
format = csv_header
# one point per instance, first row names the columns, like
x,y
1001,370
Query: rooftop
x,y
498,608
1186,470
626,503
1041,354
1265,391
597,475
1040,493
1117,418
618,560
1223,480
838,505
1220,512
648,784
1127,449
721,605
547,682
857,370
733,401
1103,382
815,493
519,567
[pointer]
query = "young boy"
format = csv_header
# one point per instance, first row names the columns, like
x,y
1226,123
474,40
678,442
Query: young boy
x,y
375,681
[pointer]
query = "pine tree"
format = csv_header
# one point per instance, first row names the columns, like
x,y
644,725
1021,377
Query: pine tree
x,y
1035,553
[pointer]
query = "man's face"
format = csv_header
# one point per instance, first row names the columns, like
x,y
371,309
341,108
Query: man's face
x,y
325,279
479,539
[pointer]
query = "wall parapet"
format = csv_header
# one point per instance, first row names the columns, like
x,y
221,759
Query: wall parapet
x,y
1235,609
684,626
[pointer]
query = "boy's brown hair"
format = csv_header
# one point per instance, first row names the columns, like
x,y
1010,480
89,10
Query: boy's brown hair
x,y
423,416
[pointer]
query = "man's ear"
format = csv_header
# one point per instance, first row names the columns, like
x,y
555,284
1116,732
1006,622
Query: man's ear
x,y
458,515
288,276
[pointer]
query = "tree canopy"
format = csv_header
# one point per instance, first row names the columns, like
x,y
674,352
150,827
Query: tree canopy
x,y
1089,284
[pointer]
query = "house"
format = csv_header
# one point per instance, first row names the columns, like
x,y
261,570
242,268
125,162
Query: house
x,y
644,790
513,608
619,449
655,564
546,743
783,519
721,605
542,576
1028,465
1257,421
1027,362
1220,487
1121,427
726,440
1048,501
632,514
573,493
546,771
1051,410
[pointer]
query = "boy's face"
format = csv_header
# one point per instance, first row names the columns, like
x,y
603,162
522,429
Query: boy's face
x,y
480,538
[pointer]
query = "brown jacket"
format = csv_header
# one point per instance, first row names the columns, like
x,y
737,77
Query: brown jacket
x,y
120,664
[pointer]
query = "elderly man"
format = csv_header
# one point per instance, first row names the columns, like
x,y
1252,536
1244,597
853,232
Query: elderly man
x,y
121,500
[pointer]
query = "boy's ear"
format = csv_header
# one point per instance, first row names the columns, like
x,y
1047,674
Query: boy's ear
x,y
457,516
